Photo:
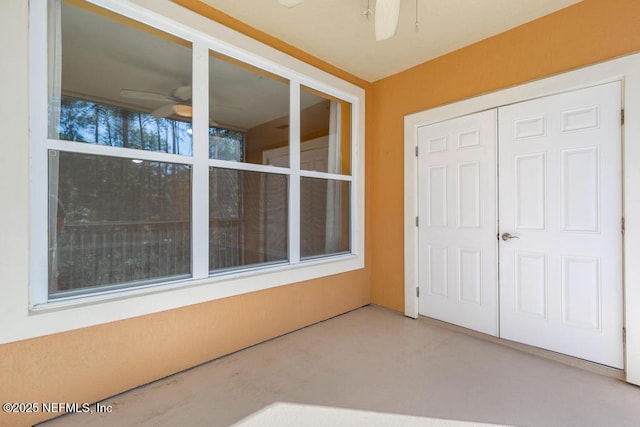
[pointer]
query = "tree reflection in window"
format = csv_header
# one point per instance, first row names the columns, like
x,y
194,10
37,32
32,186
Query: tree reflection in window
x,y
102,124
226,144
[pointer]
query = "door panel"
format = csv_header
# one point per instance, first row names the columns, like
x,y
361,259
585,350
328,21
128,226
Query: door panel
x,y
561,195
457,208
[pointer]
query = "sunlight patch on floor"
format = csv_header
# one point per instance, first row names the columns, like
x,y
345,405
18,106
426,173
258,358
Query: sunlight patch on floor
x,y
289,414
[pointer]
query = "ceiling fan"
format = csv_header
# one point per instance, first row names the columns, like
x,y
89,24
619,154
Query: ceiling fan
x,y
178,102
386,16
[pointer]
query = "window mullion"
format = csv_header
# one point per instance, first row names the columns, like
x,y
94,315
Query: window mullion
x,y
357,195
200,173
294,178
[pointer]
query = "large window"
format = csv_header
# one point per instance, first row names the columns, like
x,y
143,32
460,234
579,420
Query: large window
x,y
152,181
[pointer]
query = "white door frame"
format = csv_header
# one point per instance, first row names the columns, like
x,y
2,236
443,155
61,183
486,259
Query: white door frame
x,y
627,70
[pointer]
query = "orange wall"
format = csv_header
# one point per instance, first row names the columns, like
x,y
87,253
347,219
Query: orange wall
x,y
90,364
583,34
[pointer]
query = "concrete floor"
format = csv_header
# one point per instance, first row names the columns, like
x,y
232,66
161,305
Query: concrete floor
x,y
373,366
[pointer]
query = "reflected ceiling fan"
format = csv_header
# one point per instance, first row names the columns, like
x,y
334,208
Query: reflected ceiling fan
x,y
178,102
385,16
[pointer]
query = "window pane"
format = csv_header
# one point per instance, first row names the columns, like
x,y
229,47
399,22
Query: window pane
x,y
117,82
249,107
248,218
325,133
115,221
324,217
226,144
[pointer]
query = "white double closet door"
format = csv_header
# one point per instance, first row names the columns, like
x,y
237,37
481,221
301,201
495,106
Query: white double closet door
x,y
520,234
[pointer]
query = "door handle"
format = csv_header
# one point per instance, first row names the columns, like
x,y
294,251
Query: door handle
x,y
508,236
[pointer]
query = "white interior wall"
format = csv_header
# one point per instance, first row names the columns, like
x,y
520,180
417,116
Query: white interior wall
x,y
14,161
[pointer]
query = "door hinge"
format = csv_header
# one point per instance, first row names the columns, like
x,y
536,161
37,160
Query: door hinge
x,y
622,225
417,222
622,117
417,291
624,336
416,151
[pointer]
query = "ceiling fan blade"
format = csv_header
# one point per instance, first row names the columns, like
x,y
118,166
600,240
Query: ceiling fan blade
x,y
183,93
146,96
164,111
386,18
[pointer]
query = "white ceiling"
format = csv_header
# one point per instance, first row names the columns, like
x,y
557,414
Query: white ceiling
x,y
337,32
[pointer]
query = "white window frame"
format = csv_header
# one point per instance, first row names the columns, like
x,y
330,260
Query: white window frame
x,y
44,316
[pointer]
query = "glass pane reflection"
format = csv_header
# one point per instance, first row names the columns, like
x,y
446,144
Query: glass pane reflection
x,y
248,218
114,81
324,217
247,100
116,221
325,133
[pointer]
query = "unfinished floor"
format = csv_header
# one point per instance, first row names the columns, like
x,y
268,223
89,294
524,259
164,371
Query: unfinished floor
x,y
373,366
